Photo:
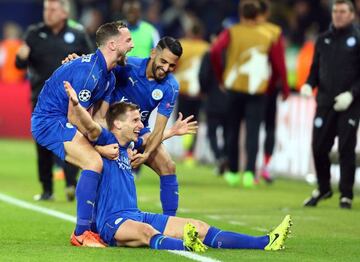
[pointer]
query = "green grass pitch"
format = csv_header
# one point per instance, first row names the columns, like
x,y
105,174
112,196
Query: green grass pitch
x,y
325,233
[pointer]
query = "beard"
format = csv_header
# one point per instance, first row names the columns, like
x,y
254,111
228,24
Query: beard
x,y
122,59
154,69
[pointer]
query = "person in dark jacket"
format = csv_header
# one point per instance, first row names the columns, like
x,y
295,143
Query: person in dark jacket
x,y
45,45
335,71
216,109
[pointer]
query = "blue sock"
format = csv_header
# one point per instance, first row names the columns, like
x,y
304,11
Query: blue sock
x,y
223,239
169,194
160,241
86,191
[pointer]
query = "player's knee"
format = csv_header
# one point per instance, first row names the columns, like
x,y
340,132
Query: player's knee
x,y
147,232
169,167
201,227
94,163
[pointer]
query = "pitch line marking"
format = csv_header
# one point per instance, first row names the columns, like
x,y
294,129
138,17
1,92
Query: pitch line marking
x,y
66,217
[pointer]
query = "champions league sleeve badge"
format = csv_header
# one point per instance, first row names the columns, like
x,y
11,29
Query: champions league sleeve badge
x,y
84,95
157,94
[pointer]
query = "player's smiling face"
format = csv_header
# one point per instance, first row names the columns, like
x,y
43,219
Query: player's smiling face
x,y
124,44
163,63
132,125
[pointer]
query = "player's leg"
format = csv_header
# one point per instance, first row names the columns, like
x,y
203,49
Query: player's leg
x,y
79,152
216,238
69,144
160,161
135,234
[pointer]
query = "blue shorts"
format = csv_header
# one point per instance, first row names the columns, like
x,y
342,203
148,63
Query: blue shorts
x,y
107,233
52,132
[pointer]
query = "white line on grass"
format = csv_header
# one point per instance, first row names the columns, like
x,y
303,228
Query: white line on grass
x,y
193,256
39,209
63,216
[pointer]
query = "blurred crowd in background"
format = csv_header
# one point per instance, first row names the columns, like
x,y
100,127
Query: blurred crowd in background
x,y
300,20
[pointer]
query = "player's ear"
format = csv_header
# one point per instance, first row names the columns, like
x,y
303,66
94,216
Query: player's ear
x,y
153,53
117,124
111,45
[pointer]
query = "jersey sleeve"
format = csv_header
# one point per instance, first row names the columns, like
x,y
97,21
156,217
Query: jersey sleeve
x,y
110,90
168,101
83,83
104,138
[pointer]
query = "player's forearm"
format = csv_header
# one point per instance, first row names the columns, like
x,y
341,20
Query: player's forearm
x,y
152,142
167,134
85,123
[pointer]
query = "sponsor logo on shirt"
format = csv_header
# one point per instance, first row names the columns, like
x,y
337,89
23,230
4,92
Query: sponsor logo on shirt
x,y
123,163
144,115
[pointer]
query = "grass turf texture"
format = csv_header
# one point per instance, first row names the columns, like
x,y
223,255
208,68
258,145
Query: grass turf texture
x,y
325,233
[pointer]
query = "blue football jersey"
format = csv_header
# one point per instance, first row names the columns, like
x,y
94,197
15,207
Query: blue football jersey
x,y
90,79
133,86
117,191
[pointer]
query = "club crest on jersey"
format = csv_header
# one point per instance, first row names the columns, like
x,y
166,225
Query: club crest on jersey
x,y
157,94
69,37
351,41
84,95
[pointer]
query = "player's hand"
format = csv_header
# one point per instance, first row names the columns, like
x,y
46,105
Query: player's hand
x,y
131,153
138,159
71,93
23,52
109,151
343,101
69,58
184,126
306,90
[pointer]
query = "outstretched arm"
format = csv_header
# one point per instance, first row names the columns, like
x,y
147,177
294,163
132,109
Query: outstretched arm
x,y
179,128
85,124
153,140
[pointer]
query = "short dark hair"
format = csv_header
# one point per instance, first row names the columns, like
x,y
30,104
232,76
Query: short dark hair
x,y
108,30
249,9
347,2
170,43
117,111
264,6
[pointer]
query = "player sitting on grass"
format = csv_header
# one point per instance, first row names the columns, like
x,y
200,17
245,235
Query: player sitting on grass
x,y
118,218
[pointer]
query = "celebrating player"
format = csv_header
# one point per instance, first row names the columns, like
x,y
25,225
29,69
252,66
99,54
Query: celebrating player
x,y
93,81
119,220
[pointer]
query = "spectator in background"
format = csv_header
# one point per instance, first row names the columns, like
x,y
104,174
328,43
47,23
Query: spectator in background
x,y
335,71
187,74
278,80
245,75
216,109
9,74
92,18
45,45
144,35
